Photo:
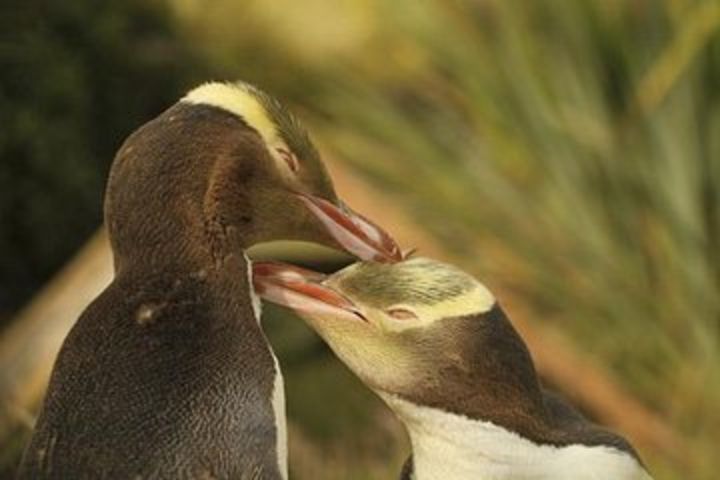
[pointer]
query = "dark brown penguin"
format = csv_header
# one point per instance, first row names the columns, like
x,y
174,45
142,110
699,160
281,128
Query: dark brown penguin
x,y
438,349
167,374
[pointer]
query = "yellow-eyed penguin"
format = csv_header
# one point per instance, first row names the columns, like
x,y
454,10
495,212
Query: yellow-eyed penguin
x,y
167,374
433,342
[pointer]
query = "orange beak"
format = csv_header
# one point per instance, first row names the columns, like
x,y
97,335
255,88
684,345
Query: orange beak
x,y
301,290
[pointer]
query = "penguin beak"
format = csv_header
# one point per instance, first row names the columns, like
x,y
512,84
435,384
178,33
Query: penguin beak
x,y
355,233
301,290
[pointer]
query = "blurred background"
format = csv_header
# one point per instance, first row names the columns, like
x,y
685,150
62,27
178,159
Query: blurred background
x,y
567,153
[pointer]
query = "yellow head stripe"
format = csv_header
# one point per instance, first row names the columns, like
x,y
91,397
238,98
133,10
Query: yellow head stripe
x,y
476,301
239,99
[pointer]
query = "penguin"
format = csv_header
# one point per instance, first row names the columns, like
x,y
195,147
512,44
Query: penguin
x,y
436,346
167,373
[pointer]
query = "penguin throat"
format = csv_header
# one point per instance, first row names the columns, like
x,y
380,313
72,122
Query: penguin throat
x,y
454,447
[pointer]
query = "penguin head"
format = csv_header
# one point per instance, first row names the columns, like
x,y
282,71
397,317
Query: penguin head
x,y
422,333
419,329
287,155
234,161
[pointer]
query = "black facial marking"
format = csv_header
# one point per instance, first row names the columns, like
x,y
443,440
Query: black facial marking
x,y
478,366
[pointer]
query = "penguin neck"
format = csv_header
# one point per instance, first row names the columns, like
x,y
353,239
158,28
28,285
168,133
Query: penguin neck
x,y
454,447
168,196
181,249
172,226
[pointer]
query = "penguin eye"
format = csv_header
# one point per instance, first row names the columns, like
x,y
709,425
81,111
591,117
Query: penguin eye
x,y
289,158
399,313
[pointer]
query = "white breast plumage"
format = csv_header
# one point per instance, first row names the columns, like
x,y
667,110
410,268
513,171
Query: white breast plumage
x,y
453,447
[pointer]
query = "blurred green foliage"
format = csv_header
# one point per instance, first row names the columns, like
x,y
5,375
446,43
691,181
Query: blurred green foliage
x,y
77,78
